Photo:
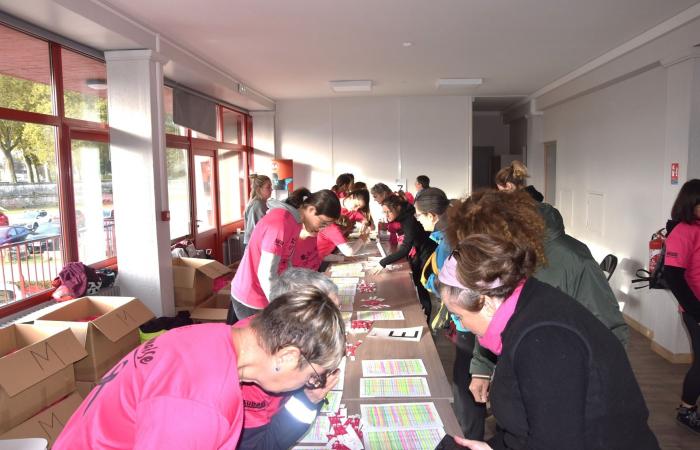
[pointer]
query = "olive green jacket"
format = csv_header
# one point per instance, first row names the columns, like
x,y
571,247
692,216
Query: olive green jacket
x,y
571,268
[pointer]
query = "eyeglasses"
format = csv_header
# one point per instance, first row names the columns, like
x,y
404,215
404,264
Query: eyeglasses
x,y
317,380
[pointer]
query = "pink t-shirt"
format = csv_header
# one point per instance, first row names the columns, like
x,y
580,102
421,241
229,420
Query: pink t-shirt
x,y
306,254
683,250
179,390
328,239
259,404
353,216
275,233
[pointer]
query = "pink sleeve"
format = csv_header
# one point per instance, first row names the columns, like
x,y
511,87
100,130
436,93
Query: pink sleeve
x,y
168,422
677,246
334,234
274,239
355,216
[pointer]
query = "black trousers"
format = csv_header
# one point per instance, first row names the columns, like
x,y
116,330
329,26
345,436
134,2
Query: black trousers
x,y
470,414
238,311
691,384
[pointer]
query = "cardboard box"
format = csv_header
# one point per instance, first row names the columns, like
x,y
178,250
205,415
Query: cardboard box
x,y
194,279
84,387
108,337
213,309
36,369
49,423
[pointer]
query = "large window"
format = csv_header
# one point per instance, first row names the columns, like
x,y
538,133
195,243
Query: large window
x,y
25,72
44,220
94,210
30,227
84,87
233,126
231,178
55,168
178,192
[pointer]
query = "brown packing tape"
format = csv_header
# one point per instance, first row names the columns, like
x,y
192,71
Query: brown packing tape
x,y
48,354
49,423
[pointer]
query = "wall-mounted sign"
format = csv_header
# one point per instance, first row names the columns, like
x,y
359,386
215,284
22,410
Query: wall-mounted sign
x,y
282,174
674,173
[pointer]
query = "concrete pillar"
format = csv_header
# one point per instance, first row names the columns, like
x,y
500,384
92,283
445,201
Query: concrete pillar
x,y
137,142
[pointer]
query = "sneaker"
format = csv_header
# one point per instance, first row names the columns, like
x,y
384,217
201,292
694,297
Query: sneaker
x,y
689,418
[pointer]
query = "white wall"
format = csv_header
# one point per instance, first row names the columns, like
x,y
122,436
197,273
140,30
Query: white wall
x,y
377,139
611,177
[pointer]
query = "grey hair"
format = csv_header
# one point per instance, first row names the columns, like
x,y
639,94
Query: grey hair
x,y
295,278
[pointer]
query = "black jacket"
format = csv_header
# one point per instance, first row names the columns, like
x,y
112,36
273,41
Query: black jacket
x,y
413,236
563,380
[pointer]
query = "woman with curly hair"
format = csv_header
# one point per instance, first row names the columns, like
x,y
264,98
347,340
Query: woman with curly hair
x,y
563,262
563,379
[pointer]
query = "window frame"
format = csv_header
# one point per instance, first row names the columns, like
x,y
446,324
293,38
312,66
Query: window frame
x,y
67,129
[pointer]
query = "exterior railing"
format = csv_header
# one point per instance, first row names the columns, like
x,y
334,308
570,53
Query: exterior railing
x,y
28,267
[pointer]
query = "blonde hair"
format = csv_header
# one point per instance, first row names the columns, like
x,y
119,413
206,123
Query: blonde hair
x,y
516,173
306,319
256,184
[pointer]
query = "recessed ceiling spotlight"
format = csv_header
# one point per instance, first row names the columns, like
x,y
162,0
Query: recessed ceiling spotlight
x,y
407,44
351,85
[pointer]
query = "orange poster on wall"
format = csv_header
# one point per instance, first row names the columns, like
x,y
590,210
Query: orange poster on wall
x,y
282,174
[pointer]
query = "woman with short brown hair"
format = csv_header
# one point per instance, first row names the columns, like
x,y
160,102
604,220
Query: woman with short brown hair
x,y
563,380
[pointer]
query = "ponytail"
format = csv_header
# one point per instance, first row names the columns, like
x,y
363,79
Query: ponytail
x,y
516,174
298,197
325,201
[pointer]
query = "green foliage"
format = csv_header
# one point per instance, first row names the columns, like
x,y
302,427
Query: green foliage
x,y
35,144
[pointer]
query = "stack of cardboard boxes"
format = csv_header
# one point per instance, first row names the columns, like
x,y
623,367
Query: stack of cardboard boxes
x,y
47,368
194,281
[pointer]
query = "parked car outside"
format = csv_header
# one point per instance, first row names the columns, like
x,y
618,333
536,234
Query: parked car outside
x,y
4,220
44,238
33,219
13,234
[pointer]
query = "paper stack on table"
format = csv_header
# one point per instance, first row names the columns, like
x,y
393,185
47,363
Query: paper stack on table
x,y
380,315
393,367
394,387
398,426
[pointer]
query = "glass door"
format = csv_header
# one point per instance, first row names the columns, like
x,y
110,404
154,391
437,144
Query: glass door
x,y
206,214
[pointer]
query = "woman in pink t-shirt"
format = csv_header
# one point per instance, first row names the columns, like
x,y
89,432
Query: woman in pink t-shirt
x,y
682,273
343,184
181,390
272,244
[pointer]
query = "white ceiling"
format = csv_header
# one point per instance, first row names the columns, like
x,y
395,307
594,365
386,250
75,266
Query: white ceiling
x,y
292,48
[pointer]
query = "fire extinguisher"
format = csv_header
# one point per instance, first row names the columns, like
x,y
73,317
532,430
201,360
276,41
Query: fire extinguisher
x,y
655,245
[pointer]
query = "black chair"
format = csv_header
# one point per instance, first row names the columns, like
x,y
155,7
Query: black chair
x,y
608,265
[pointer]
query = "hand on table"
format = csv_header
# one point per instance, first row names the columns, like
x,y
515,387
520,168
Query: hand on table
x,y
479,388
316,395
473,445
